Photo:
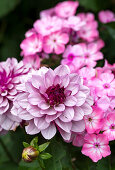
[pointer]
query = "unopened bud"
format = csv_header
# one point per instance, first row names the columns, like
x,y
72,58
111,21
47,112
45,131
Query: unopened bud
x,y
29,154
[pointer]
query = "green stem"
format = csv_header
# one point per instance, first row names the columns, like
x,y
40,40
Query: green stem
x,y
6,151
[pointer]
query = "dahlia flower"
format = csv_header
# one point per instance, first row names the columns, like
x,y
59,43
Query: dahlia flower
x,y
53,100
10,73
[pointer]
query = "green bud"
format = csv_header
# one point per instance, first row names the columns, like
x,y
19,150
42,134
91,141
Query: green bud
x,y
29,154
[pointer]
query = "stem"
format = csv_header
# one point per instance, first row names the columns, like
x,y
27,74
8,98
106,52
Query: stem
x,y
6,151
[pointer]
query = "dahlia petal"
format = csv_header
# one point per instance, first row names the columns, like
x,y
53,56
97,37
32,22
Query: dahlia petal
x,y
67,115
65,126
43,105
65,81
50,118
49,111
73,88
70,101
60,107
62,70
81,97
78,113
37,81
35,98
49,76
31,128
78,126
41,123
66,136
34,111
49,132
86,108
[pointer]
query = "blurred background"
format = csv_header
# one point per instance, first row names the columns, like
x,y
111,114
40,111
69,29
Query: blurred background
x,y
16,17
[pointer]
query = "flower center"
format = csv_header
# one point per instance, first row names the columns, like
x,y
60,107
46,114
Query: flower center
x,y
106,85
4,80
96,145
55,95
90,119
71,57
113,126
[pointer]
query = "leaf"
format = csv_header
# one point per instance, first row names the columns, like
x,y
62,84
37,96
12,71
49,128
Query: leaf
x,y
25,144
104,164
34,142
94,5
43,146
45,155
7,5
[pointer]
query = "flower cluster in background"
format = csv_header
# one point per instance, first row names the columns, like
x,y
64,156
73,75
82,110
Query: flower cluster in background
x,y
76,99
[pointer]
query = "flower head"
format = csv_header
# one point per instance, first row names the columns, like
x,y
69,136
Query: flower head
x,y
53,100
96,147
10,73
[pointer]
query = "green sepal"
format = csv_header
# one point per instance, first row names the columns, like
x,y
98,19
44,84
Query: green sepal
x,y
34,142
45,155
25,144
43,146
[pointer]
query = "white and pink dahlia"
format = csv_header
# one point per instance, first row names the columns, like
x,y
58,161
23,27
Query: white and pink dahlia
x,y
53,100
10,74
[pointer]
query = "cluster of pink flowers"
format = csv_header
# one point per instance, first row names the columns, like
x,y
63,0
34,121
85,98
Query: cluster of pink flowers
x,y
75,99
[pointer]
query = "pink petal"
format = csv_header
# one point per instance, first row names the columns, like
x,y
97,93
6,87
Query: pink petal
x,y
60,107
31,128
49,132
78,126
67,115
70,101
41,123
65,126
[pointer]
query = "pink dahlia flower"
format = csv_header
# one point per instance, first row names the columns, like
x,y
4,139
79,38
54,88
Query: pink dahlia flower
x,y
66,9
55,43
54,100
106,16
48,25
10,73
31,45
96,146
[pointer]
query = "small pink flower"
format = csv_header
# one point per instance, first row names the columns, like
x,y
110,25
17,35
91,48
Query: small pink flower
x,y
31,45
55,43
96,147
94,121
66,9
104,84
53,100
109,126
48,12
73,22
89,31
32,60
106,16
48,25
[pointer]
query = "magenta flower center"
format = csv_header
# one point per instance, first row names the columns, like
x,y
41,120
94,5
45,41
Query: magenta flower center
x,y
4,81
55,95
106,85
112,126
71,57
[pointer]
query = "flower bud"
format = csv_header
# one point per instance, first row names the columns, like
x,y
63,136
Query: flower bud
x,y
29,154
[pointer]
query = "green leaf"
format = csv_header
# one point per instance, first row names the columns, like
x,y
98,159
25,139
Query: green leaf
x,y
45,155
7,5
104,164
25,144
43,146
94,5
41,163
34,142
